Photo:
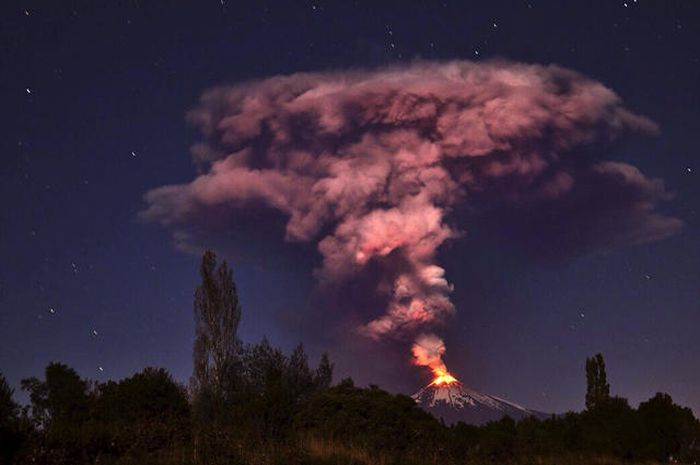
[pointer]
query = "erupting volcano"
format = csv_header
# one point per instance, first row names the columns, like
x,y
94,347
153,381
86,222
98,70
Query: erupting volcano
x,y
376,168
443,377
447,398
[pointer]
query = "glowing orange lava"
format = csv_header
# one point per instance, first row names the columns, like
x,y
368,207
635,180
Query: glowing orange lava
x,y
442,376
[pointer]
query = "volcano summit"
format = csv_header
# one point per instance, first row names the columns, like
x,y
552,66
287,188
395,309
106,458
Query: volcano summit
x,y
451,401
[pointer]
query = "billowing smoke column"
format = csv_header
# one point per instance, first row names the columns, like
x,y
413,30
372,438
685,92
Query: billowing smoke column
x,y
371,164
427,351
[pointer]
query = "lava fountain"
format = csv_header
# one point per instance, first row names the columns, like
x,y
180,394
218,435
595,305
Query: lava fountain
x,y
442,377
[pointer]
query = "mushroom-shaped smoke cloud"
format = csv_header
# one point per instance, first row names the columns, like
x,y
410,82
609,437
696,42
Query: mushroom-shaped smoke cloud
x,y
371,165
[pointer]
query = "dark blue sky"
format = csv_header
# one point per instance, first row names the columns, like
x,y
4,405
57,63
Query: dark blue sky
x,y
94,96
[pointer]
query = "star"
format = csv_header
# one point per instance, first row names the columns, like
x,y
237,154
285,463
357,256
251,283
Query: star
x,y
51,310
28,90
100,369
648,277
94,332
133,154
689,169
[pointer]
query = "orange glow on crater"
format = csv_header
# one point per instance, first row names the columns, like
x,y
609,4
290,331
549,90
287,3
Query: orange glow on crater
x,y
442,376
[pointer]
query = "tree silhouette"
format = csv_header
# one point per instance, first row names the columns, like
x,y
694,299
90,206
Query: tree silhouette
x,y
669,430
217,314
598,389
60,403
324,373
8,406
60,409
143,415
10,437
254,403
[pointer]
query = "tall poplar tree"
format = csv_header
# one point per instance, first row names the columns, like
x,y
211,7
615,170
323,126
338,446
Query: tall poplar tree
x,y
217,313
597,389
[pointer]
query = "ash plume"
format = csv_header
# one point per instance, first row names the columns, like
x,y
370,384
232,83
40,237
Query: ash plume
x,y
427,351
371,165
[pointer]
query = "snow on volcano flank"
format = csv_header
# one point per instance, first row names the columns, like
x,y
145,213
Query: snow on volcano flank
x,y
453,402
447,398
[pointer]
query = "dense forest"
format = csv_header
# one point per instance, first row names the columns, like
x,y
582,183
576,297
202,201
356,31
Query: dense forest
x,y
254,404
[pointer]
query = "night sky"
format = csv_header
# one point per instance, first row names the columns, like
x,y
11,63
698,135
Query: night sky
x,y
94,98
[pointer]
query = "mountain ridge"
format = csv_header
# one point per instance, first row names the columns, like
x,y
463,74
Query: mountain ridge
x,y
453,402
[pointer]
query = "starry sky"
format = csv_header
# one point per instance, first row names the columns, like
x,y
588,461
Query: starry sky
x,y
94,102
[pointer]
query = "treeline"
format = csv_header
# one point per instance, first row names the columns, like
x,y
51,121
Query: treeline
x,y
658,431
254,404
149,418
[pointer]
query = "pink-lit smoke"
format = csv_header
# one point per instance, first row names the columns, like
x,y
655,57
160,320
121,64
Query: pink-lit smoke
x,y
427,351
371,165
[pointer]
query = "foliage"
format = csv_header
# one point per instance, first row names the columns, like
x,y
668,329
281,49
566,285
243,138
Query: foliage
x,y
597,389
668,430
9,410
145,414
254,404
60,403
370,418
215,354
60,407
287,413
217,314
142,417
274,387
10,431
